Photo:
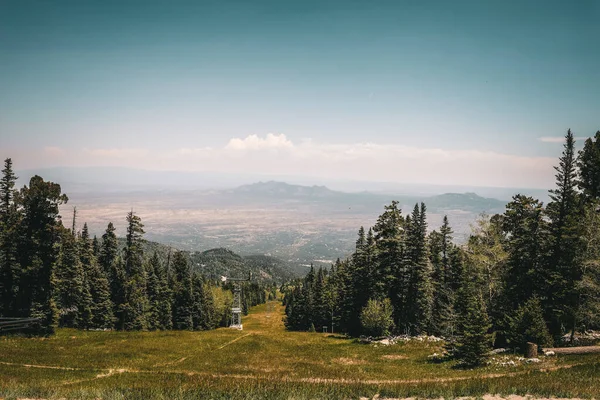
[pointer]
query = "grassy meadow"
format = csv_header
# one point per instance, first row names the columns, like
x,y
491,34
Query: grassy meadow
x,y
264,361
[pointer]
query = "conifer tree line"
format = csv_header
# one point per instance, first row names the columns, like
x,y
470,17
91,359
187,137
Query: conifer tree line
x,y
66,278
529,274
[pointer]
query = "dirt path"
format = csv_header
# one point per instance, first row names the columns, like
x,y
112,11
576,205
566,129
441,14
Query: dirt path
x,y
234,340
575,350
105,373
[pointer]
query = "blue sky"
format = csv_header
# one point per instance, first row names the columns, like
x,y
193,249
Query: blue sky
x,y
467,86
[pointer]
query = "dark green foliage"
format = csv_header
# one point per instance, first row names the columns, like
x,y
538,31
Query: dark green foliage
x,y
565,263
64,277
589,168
527,246
38,251
159,295
472,342
417,310
71,292
443,261
528,325
204,314
9,225
96,284
389,277
302,309
135,307
182,293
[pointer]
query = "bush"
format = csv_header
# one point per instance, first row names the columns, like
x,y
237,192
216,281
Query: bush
x,y
376,318
527,325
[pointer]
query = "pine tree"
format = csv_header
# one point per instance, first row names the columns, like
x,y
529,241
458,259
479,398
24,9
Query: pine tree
x,y
182,293
527,325
472,342
417,316
565,263
320,305
589,168
589,287
135,307
113,269
486,252
440,251
527,244
389,276
358,286
201,311
159,313
38,250
71,294
9,232
165,296
109,250
96,246
96,283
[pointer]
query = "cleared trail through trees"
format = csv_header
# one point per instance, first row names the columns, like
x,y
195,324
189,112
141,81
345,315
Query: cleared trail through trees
x,y
260,328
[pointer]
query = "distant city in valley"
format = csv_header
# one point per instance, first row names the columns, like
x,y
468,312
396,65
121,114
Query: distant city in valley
x,y
297,223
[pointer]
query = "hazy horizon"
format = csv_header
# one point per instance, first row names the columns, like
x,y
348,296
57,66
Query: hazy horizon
x,y
464,93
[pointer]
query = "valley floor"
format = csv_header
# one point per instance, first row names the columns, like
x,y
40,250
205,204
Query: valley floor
x,y
266,361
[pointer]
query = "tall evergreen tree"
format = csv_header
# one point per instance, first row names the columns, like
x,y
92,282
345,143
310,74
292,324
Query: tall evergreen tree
x,y
112,267
182,293
159,295
135,307
473,342
418,308
389,277
527,244
589,168
565,260
96,284
440,248
9,233
38,250
70,290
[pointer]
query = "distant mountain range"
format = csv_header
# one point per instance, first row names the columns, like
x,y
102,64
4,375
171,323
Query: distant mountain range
x,y
279,191
119,179
294,223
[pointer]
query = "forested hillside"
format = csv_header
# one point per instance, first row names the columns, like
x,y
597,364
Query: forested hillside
x,y
63,277
529,274
214,263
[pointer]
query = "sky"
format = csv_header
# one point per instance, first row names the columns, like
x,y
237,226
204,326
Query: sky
x,y
436,92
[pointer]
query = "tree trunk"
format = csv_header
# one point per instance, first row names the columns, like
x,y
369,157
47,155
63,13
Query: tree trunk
x,y
532,350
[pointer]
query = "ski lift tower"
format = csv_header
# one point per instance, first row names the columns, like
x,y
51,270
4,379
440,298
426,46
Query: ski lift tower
x,y
236,306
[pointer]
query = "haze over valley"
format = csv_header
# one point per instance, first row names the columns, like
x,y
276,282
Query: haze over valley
x,y
300,224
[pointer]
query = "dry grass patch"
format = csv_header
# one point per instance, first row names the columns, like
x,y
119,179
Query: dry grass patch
x,y
349,361
394,357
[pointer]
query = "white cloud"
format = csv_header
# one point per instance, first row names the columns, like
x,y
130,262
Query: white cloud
x,y
254,142
371,161
277,155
